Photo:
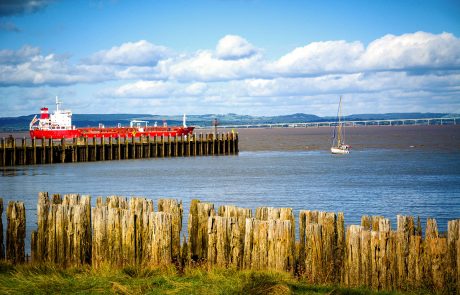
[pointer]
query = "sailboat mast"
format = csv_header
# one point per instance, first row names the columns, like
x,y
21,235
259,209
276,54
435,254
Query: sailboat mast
x,y
339,128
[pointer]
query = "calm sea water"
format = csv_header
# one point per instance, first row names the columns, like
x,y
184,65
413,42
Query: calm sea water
x,y
374,182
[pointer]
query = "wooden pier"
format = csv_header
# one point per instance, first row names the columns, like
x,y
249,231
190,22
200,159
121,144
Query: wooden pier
x,y
120,232
34,151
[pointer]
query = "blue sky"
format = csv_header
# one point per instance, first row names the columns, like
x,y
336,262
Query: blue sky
x,y
246,57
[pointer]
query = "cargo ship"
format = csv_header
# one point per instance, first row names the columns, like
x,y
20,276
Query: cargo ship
x,y
58,125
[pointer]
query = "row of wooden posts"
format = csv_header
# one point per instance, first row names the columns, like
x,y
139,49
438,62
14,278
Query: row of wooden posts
x,y
48,151
124,232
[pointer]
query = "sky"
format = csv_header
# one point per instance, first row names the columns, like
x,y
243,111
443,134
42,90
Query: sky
x,y
249,57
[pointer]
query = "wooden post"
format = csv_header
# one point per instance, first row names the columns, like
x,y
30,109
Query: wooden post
x,y
14,152
174,208
110,148
142,147
95,153
225,248
3,152
119,148
176,146
133,140
16,232
453,244
103,148
182,145
160,225
86,149
162,146
155,139
63,148
42,226
24,151
149,153
405,229
170,152
415,262
2,245
34,151
189,147
235,142
74,150
198,229
51,151
194,145
126,148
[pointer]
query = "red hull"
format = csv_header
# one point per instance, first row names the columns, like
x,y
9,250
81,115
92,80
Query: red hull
x,y
111,132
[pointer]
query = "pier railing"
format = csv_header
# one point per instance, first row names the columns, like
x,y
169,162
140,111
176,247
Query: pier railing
x,y
26,151
130,232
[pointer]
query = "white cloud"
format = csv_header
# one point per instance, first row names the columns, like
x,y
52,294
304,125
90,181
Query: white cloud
x,y
24,54
408,51
131,54
204,66
320,58
234,47
155,89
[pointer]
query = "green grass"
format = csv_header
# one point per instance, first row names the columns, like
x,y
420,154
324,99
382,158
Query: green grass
x,y
49,279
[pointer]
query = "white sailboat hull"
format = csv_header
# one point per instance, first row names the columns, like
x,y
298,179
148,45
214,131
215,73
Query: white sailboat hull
x,y
337,150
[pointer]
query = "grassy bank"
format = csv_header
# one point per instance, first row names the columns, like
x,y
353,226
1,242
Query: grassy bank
x,y
46,279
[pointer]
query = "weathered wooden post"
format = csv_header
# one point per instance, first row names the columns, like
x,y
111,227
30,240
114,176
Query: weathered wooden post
x,y
405,229
51,155
86,149
170,152
42,226
225,248
162,146
16,232
353,256
63,147
126,147
103,157
198,229
13,142
2,245
453,244
174,208
194,145
34,151
149,153
155,140
24,151
160,229
133,141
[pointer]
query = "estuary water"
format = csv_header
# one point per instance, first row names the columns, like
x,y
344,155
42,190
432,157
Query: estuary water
x,y
380,180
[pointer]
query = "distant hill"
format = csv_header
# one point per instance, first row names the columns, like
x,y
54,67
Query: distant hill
x,y
85,120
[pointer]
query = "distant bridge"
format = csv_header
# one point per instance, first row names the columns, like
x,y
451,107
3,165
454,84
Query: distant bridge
x,y
389,122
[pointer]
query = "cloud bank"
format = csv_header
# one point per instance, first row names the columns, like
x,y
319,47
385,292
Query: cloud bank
x,y
391,70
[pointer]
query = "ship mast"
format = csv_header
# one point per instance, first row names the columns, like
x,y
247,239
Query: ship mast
x,y
57,104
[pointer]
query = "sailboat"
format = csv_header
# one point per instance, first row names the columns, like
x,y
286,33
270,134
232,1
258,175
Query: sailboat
x,y
338,138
